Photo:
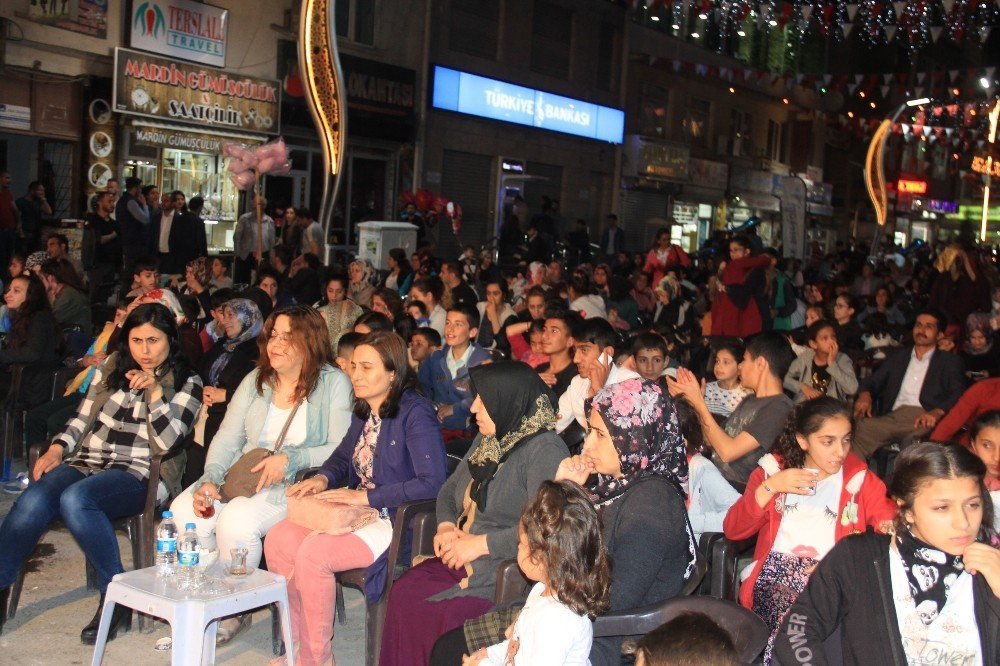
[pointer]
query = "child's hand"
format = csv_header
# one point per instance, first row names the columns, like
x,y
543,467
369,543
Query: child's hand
x,y
794,480
983,559
477,658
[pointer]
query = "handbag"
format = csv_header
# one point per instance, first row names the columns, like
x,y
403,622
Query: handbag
x,y
239,480
320,515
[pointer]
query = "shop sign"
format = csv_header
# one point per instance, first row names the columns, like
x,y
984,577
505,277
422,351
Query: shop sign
x,y
819,193
760,201
793,216
489,98
743,180
706,173
911,186
16,117
158,137
655,160
940,206
986,165
181,29
147,85
511,166
375,86
685,214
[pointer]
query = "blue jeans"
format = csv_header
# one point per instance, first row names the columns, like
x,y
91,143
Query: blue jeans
x,y
86,504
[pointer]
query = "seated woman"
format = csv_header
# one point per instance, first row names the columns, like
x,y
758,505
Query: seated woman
x,y
928,593
223,368
635,461
295,391
803,498
365,470
495,315
31,334
146,388
478,510
980,351
219,275
196,283
67,296
339,312
362,286
400,272
389,303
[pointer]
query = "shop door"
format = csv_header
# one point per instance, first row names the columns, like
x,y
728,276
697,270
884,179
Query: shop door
x,y
291,190
465,179
367,190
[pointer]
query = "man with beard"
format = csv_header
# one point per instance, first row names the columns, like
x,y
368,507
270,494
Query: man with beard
x,y
910,392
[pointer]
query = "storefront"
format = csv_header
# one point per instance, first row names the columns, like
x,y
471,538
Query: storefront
x,y
752,192
654,173
696,206
378,159
176,117
40,134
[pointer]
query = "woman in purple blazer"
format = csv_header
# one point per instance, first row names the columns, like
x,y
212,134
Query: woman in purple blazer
x,y
392,453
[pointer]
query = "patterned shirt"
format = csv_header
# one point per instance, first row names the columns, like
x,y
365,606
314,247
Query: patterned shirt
x,y
364,451
724,401
119,438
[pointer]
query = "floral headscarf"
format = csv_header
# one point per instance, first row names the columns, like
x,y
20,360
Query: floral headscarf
x,y
978,321
669,286
643,424
35,259
251,323
199,267
368,274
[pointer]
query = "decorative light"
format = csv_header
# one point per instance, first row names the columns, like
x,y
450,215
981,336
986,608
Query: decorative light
x,y
850,114
871,104
861,94
695,35
784,100
732,90
654,17
984,82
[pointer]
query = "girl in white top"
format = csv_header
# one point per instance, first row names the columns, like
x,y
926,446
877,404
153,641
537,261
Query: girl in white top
x,y
560,546
725,394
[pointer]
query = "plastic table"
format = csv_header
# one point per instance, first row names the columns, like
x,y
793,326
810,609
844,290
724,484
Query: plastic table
x,y
192,615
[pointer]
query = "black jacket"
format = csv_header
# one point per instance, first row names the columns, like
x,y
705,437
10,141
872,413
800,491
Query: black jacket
x,y
943,385
241,364
851,592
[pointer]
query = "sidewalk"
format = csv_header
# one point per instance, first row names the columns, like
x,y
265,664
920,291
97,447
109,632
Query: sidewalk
x,y
56,604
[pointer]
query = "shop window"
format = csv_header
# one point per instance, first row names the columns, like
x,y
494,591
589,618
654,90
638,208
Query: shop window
x,y
776,140
740,124
653,110
474,27
551,34
695,122
606,61
355,20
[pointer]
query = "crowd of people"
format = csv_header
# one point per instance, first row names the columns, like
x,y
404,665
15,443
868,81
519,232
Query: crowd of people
x,y
589,420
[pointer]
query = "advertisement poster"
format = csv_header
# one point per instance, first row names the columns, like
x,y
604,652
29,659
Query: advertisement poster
x,y
154,87
87,17
181,29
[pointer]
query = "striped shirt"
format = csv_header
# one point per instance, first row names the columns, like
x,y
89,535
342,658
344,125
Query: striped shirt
x,y
119,438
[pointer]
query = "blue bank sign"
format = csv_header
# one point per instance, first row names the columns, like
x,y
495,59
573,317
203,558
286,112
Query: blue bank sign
x,y
489,98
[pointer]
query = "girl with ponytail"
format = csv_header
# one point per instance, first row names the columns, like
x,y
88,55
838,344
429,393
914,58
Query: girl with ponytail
x,y
805,495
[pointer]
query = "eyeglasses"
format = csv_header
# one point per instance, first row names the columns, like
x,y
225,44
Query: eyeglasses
x,y
283,338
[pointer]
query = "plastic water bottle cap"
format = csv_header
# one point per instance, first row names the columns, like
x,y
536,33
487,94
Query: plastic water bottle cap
x,y
189,526
167,514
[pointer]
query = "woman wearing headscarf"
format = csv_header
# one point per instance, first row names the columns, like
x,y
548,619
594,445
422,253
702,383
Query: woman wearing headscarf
x,y
362,286
196,283
478,510
981,354
633,466
223,367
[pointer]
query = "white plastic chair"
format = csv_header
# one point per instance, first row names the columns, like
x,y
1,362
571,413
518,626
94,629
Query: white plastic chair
x,y
192,615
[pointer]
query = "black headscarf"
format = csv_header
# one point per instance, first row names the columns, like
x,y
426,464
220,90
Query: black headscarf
x,y
520,404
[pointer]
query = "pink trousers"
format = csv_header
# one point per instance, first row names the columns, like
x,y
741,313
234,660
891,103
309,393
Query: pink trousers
x,y
310,565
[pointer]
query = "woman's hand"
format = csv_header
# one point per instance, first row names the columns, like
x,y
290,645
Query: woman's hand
x,y
311,486
49,460
201,495
794,480
272,470
345,496
91,360
475,658
140,380
576,469
466,549
444,411
983,559
446,533
211,395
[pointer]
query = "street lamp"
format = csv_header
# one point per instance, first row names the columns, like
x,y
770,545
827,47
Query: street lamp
x,y
875,168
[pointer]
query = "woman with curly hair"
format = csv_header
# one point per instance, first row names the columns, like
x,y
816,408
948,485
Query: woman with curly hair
x,y
805,495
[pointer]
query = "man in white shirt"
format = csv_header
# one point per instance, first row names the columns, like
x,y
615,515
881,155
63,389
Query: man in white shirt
x,y
160,223
594,350
914,388
245,242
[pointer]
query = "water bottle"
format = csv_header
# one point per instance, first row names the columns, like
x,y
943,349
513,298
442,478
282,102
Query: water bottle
x,y
166,547
187,559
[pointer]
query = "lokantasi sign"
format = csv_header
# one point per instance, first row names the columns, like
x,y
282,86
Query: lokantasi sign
x,y
147,85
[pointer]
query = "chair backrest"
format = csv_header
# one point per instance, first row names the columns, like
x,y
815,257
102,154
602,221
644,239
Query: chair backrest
x,y
748,631
723,566
701,567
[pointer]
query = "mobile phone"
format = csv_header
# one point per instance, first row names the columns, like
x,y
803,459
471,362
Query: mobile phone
x,y
604,359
